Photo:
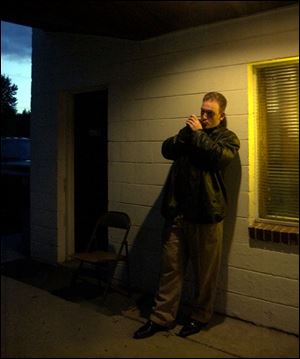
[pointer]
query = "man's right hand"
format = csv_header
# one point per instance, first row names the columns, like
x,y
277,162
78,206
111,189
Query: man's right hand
x,y
194,123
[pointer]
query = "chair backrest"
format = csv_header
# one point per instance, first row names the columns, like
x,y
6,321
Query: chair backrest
x,y
114,219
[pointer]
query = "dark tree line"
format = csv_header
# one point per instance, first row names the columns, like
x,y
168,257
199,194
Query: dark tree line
x,y
13,124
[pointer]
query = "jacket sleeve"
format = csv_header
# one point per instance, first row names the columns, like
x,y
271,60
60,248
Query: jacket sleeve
x,y
216,153
174,146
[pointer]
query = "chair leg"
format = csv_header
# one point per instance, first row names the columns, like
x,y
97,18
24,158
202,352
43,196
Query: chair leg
x,y
128,270
74,278
106,291
128,280
76,274
108,284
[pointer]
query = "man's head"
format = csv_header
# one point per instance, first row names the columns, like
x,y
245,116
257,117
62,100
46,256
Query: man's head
x,y
213,109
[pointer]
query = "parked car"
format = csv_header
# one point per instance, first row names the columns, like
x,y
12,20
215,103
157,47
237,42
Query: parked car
x,y
15,184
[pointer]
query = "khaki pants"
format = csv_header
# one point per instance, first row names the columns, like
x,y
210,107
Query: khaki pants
x,y
202,244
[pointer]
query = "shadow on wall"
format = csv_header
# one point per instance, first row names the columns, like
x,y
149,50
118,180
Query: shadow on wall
x,y
145,254
145,259
232,177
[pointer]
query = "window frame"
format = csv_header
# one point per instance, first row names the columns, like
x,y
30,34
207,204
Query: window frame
x,y
252,141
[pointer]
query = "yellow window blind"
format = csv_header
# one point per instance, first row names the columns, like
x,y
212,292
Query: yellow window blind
x,y
277,118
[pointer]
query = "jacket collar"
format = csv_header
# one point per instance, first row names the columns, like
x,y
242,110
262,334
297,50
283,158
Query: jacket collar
x,y
210,130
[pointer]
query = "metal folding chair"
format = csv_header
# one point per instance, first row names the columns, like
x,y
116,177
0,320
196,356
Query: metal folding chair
x,y
116,252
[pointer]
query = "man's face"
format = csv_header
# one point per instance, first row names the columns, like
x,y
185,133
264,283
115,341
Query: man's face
x,y
210,115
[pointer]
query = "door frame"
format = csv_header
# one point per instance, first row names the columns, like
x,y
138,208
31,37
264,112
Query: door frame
x,y
65,172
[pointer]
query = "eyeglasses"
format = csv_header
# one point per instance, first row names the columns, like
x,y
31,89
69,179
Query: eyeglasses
x,y
209,113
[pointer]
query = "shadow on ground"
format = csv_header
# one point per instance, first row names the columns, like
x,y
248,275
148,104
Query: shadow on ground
x,y
57,279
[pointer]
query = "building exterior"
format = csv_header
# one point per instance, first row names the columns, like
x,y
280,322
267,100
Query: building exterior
x,y
152,86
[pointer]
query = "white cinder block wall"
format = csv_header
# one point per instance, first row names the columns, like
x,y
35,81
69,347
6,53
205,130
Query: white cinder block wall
x,y
153,87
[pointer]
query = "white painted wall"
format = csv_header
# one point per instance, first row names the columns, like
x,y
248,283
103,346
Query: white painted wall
x,y
153,86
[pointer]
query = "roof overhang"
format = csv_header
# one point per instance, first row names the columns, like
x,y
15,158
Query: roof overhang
x,y
133,20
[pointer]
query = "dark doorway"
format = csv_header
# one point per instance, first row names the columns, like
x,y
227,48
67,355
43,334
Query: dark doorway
x,y
90,167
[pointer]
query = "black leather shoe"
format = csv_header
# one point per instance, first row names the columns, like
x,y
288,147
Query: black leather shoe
x,y
148,329
192,327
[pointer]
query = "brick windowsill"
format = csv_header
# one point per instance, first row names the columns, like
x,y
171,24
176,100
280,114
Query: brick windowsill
x,y
274,233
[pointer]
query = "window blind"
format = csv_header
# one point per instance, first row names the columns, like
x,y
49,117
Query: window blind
x,y
277,114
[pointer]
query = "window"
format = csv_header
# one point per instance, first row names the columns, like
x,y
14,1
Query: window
x,y
275,131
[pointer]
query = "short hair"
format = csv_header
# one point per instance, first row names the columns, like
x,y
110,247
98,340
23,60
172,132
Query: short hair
x,y
217,97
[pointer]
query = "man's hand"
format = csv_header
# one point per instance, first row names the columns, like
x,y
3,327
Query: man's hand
x,y
194,123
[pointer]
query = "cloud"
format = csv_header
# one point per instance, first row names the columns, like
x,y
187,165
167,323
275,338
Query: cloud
x,y
15,41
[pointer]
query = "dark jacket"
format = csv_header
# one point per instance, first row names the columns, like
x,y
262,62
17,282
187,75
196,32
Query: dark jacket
x,y
195,186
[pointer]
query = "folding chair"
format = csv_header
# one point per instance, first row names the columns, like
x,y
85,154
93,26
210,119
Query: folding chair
x,y
96,258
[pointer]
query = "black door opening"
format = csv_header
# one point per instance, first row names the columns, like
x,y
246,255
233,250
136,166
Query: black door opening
x,y
90,167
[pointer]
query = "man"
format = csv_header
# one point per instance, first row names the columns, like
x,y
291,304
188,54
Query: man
x,y
194,205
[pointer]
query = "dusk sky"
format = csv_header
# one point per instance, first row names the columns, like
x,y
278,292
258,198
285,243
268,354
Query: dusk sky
x,y
16,60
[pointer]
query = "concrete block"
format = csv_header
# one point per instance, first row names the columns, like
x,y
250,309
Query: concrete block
x,y
114,191
260,285
260,312
243,153
122,172
239,125
236,231
155,130
44,218
154,174
244,187
275,263
129,151
144,152
191,82
114,151
42,200
243,203
122,131
140,194
42,182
